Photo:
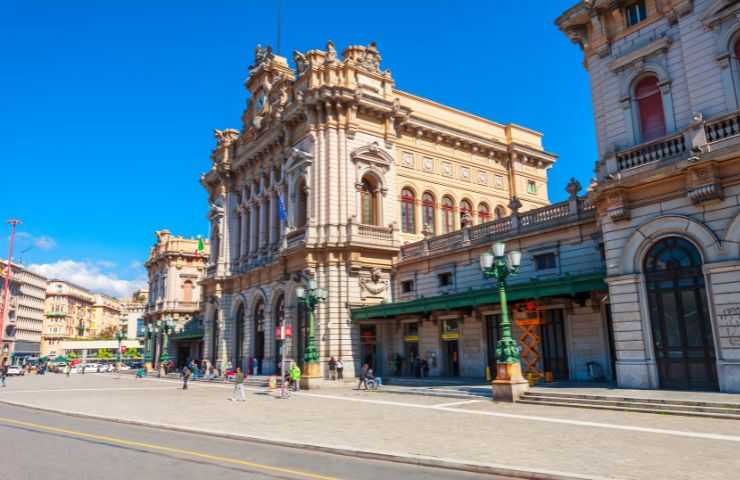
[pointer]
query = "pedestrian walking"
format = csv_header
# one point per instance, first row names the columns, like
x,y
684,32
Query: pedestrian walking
x,y
295,377
3,373
67,370
238,394
186,373
340,369
332,368
363,376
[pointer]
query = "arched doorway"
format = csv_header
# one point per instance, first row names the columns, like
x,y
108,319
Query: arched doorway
x,y
239,337
259,334
279,312
682,332
214,338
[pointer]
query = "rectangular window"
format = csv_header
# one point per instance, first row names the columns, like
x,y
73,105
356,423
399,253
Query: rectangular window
x,y
499,181
407,286
445,279
531,187
635,13
544,261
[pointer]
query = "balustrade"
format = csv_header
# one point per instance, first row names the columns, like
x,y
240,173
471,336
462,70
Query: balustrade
x,y
661,149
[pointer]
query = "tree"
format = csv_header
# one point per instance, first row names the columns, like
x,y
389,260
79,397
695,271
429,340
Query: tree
x,y
104,354
72,356
132,354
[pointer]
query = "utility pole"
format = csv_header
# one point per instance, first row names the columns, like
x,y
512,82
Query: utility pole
x,y
6,281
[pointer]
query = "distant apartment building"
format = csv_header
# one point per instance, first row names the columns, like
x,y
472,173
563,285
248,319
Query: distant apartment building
x,y
68,315
106,316
23,322
132,314
175,266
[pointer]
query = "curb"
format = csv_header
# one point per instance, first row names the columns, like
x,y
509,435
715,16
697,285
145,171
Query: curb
x,y
418,460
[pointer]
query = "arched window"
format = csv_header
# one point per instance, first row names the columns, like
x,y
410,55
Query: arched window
x,y
650,108
187,291
427,207
239,325
484,213
369,202
466,212
737,50
500,212
448,215
259,333
408,219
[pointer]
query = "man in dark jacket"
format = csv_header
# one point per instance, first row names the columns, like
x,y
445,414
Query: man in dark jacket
x,y
186,373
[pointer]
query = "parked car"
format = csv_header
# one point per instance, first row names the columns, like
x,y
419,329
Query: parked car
x,y
88,368
16,370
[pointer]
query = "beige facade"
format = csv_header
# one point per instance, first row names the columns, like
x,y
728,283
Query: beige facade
x,y
68,315
105,313
358,167
666,92
23,323
132,313
175,268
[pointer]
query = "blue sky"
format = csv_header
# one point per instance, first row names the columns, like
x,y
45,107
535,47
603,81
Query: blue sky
x,y
107,108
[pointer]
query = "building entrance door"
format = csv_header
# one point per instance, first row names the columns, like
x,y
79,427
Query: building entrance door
x,y
259,336
493,333
368,347
682,333
183,354
554,353
452,358
410,367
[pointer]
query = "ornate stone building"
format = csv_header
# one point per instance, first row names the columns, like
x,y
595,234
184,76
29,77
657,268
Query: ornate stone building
x,y
665,80
333,169
105,313
176,266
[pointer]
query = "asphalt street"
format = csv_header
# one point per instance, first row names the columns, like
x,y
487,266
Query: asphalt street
x,y
49,446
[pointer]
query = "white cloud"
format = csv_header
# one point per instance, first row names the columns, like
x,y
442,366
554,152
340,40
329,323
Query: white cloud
x,y
42,242
89,275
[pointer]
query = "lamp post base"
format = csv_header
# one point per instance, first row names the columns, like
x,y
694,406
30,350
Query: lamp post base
x,y
509,384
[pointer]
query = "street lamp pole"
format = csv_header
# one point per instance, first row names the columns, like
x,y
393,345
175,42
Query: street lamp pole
x,y
148,334
119,338
168,327
311,297
509,383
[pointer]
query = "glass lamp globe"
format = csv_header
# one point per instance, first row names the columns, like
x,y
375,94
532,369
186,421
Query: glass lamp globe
x,y
486,261
498,249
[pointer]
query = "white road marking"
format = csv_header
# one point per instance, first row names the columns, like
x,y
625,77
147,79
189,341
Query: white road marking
x,y
99,389
453,404
443,408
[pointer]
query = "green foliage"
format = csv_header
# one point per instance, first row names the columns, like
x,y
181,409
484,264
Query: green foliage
x,y
104,354
72,356
132,354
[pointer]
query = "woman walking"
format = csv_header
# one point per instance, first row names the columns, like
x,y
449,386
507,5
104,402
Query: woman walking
x,y
340,369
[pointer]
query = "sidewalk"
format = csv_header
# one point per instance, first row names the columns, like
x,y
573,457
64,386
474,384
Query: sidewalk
x,y
573,441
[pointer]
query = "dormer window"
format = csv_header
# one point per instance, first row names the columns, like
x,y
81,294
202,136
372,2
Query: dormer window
x,y
635,13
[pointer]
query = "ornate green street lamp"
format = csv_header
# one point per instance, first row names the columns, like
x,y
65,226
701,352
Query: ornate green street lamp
x,y
311,297
509,383
148,335
168,328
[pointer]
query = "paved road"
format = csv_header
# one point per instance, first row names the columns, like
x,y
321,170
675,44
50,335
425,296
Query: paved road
x,y
47,446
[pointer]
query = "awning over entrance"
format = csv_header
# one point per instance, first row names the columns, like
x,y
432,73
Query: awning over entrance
x,y
564,285
181,337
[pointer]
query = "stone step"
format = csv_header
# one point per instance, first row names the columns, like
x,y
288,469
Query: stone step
x,y
687,413
432,392
619,398
633,403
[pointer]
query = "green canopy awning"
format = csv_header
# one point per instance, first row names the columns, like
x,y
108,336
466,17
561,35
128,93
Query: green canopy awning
x,y
566,285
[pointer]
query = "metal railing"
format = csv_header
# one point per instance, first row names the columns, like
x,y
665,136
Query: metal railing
x,y
661,149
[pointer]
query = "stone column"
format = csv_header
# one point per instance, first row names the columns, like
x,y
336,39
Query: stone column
x,y
273,219
243,241
253,213
264,222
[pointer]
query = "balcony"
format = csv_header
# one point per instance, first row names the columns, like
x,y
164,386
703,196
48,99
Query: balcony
x,y
173,306
373,235
572,211
702,136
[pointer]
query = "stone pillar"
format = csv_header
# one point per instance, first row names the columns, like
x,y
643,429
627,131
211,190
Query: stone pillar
x,y
243,241
253,228
264,223
272,221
